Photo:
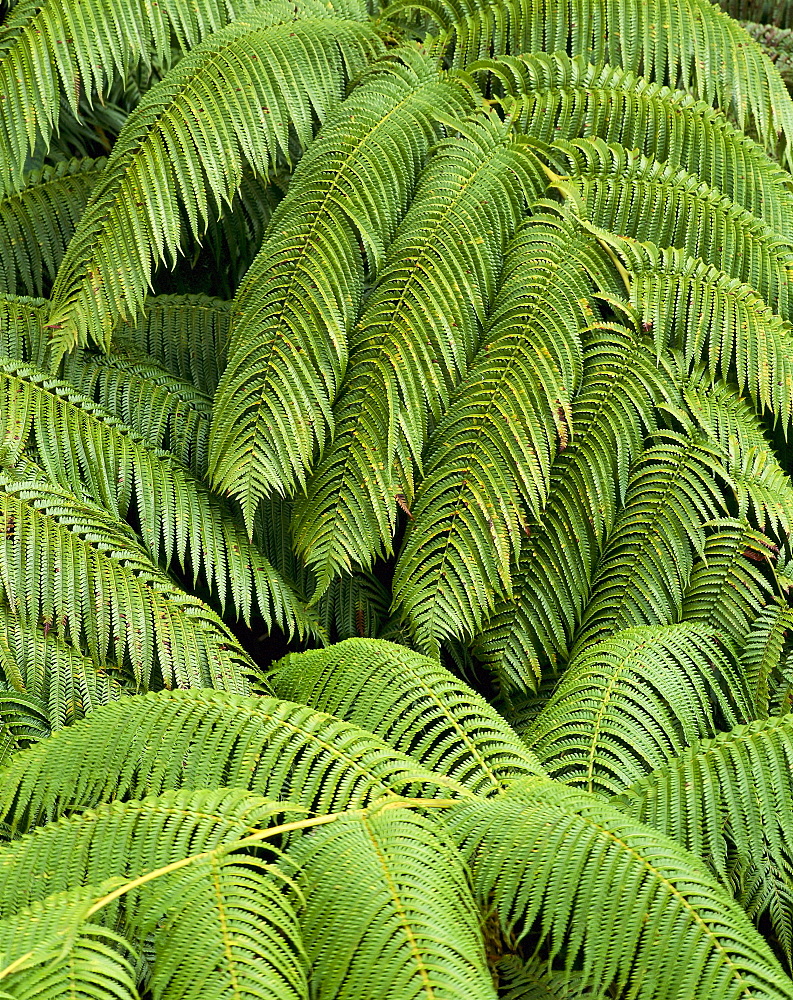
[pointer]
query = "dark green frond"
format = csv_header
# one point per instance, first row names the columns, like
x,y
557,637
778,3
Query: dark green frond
x,y
533,980
415,339
412,703
582,867
762,652
354,605
627,704
400,923
296,306
778,12
207,739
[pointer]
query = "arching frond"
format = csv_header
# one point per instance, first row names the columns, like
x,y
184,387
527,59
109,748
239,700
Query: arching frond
x,y
581,867
762,651
67,565
415,338
413,704
402,922
621,384
254,79
690,43
556,97
489,459
627,704
37,222
301,297
207,739
80,444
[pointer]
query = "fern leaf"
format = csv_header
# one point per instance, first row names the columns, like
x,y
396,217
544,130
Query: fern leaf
x,y
627,704
532,980
354,606
413,704
581,867
298,302
207,739
690,43
238,78
490,457
762,652
779,12
414,340
401,923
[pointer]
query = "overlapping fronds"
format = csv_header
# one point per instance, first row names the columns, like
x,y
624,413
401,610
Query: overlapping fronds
x,y
614,407
67,565
80,444
411,702
37,222
582,867
300,298
631,195
207,739
354,605
533,980
489,459
627,704
778,12
402,922
674,490
415,339
259,80
556,97
690,44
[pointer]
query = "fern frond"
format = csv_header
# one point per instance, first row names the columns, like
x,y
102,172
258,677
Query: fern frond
x,y
207,739
533,980
413,704
582,865
489,459
626,704
80,444
555,97
762,652
37,222
415,338
67,565
355,605
400,923
690,44
298,302
238,80
764,888
779,12
610,414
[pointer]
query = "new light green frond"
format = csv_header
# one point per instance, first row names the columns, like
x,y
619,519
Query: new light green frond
x,y
674,490
613,409
412,703
415,339
627,704
207,739
39,664
489,459
401,922
715,319
727,588
689,43
633,196
298,302
556,97
79,443
762,652
37,222
254,81
582,866
67,46
67,565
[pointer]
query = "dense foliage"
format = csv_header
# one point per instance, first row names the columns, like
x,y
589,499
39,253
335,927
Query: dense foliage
x,y
462,324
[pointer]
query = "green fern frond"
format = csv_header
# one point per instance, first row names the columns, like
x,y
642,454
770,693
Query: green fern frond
x,y
627,704
207,739
238,79
22,327
413,704
779,12
354,605
533,980
415,338
581,867
762,652
37,222
780,700
489,459
80,444
555,97
67,565
690,43
401,923
764,888
299,300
